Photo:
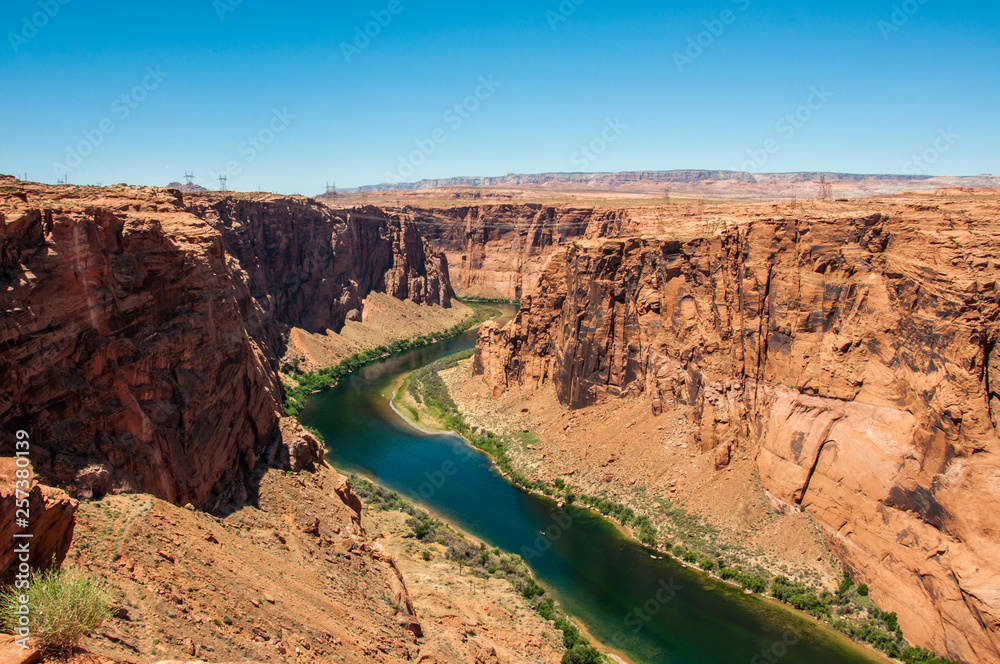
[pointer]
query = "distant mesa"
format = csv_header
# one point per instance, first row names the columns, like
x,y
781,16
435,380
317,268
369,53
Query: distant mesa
x,y
694,184
604,180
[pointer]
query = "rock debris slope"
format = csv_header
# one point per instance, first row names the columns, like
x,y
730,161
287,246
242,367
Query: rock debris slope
x,y
852,354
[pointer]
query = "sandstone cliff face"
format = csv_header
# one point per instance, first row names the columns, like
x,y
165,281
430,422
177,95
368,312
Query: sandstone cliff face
x,y
141,335
51,523
498,251
855,358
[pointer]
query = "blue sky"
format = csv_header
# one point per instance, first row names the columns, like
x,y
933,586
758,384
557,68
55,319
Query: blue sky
x,y
287,96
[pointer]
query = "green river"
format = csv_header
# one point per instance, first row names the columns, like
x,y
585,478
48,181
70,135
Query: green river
x,y
649,611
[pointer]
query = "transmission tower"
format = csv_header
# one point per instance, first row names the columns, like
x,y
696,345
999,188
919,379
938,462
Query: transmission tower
x,y
825,189
189,177
331,190
222,182
63,180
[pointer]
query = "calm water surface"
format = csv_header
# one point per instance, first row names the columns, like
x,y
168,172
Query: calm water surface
x,y
652,611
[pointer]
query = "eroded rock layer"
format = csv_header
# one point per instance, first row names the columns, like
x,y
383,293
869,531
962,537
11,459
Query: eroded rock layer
x,y
142,332
498,251
853,356
49,514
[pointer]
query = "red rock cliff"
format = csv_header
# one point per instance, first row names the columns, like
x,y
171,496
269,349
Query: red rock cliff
x,y
854,357
141,335
50,515
498,251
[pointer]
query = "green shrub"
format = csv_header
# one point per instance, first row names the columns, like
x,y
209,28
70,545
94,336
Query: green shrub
x,y
532,589
802,597
582,654
912,655
845,584
863,590
65,607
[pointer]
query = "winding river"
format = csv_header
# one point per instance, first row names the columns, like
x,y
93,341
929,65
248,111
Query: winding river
x,y
650,611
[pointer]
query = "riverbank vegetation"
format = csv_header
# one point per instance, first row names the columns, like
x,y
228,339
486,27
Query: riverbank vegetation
x,y
480,561
299,387
850,610
488,300
427,387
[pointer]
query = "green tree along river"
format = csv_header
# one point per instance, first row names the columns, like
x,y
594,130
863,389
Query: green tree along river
x,y
651,611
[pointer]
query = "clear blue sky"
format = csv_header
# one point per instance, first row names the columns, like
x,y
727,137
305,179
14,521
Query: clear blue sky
x,y
897,88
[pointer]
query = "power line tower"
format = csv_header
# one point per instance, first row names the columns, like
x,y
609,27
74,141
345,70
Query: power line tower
x,y
222,183
825,189
331,190
63,180
189,177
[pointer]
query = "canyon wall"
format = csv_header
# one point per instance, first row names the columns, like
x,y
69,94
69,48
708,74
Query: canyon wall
x,y
141,333
853,357
498,251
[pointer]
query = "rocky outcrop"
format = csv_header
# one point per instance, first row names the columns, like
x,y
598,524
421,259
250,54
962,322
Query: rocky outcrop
x,y
853,357
49,514
295,449
142,332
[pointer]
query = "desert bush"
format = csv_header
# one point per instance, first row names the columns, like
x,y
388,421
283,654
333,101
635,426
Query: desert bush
x,y
65,607
582,654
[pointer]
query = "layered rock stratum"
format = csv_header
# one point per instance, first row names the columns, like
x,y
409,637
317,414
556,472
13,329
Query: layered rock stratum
x,y
850,350
143,328
49,512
